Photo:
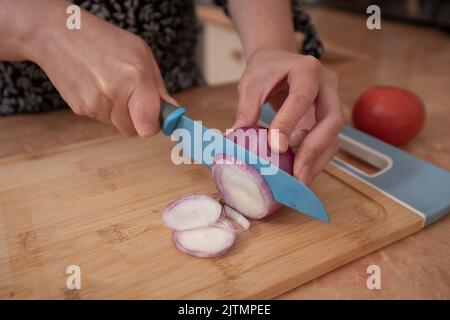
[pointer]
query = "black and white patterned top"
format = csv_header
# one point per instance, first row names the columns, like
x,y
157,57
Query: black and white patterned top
x,y
170,26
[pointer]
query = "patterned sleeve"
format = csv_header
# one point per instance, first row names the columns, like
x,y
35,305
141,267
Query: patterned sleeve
x,y
302,23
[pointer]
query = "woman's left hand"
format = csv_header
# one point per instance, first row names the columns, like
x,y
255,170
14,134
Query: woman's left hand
x,y
304,92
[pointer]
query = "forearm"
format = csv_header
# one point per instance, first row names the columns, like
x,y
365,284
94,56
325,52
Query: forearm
x,y
25,23
263,24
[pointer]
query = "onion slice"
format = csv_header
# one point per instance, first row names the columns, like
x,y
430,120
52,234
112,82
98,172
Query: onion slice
x,y
206,242
192,211
237,217
240,184
243,187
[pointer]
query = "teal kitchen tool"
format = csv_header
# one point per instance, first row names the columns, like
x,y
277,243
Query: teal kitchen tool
x,y
196,141
416,184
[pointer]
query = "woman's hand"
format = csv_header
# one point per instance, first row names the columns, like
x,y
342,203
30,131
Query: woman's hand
x,y
309,115
101,71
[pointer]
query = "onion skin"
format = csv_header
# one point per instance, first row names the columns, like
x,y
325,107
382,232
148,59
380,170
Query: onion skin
x,y
221,161
286,159
271,205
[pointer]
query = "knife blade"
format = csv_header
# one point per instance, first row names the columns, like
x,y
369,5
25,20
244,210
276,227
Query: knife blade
x,y
197,145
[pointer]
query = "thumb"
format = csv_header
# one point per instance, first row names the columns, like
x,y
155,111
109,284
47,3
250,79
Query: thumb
x,y
144,105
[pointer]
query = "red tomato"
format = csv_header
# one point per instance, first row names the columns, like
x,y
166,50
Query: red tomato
x,y
393,115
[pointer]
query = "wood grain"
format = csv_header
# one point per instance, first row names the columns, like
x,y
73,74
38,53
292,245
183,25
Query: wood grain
x,y
97,204
416,267
413,57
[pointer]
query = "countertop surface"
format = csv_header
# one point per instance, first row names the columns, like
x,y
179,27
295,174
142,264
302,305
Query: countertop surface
x,y
413,57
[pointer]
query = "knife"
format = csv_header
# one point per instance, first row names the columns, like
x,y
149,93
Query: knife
x,y
285,188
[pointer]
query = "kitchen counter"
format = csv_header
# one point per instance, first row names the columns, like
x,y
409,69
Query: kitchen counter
x,y
413,57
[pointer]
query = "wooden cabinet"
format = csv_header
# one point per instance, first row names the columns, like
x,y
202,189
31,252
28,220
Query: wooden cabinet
x,y
222,54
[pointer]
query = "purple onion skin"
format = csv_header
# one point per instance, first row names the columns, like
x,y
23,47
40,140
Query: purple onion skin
x,y
286,159
286,163
271,205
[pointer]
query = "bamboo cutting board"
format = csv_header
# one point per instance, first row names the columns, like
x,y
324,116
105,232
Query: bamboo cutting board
x,y
98,205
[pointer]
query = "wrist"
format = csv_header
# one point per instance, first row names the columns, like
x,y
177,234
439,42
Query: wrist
x,y
269,47
48,19
28,26
286,45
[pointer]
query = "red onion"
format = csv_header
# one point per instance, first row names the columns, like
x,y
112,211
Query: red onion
x,y
205,242
190,212
199,229
241,185
237,217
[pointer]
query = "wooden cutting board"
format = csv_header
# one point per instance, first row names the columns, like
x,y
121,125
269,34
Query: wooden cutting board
x,y
98,205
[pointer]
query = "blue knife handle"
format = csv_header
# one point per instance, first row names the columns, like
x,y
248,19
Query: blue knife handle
x,y
169,115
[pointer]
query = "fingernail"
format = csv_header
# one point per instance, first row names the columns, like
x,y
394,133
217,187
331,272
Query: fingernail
x,y
235,126
303,174
296,138
279,142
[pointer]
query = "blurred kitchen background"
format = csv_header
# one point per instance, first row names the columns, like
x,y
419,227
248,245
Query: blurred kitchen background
x,y
220,52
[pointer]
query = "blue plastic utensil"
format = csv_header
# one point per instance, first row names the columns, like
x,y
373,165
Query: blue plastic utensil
x,y
416,184
285,188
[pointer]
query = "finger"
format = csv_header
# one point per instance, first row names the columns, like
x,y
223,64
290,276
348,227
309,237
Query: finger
x,y
253,92
303,90
329,123
296,138
249,104
144,105
120,118
161,85
103,110
321,162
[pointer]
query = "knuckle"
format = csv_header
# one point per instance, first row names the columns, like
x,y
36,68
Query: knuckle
x,y
335,145
302,98
313,63
91,111
332,78
242,116
159,82
134,72
310,154
337,121
140,43
285,125
95,105
78,109
243,87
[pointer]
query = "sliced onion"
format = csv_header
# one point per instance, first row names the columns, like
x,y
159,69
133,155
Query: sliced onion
x,y
192,211
241,186
248,137
205,242
237,217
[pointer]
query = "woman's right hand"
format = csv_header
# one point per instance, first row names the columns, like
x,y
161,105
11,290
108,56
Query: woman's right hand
x,y
101,71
